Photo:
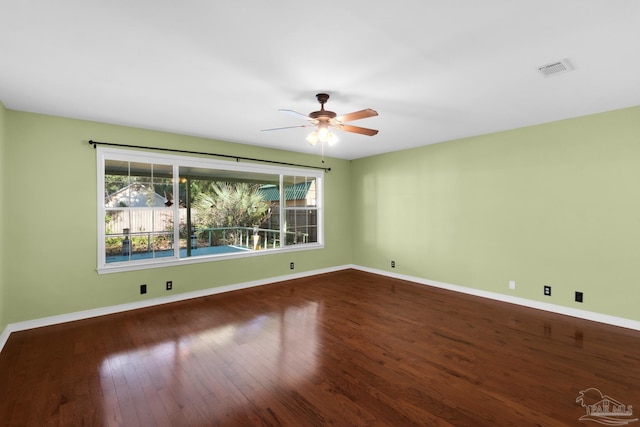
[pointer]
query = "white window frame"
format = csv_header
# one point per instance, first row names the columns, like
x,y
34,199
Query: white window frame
x,y
104,153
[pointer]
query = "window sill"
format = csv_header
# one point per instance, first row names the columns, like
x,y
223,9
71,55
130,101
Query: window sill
x,y
172,261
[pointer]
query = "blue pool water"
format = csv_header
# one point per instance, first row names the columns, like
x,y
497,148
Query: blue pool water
x,y
209,250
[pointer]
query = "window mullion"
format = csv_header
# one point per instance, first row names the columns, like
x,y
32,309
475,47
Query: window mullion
x,y
283,214
102,212
176,210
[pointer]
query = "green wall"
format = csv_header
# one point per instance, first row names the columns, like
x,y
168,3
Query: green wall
x,y
50,245
555,204
3,180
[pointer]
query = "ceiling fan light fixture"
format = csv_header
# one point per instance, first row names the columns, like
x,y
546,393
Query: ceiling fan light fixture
x,y
312,138
332,139
323,133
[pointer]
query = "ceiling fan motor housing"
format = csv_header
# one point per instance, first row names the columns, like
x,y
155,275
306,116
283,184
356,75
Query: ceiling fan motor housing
x,y
323,114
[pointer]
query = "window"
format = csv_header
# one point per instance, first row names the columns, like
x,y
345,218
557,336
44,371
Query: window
x,y
157,210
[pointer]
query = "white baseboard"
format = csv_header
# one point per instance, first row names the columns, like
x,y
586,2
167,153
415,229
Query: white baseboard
x,y
4,337
558,309
86,314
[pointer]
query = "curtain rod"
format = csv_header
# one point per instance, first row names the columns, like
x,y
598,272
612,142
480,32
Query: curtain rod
x,y
238,158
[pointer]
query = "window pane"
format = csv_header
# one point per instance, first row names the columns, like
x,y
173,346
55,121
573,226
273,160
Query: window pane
x,y
138,234
117,242
301,213
131,184
302,227
162,183
138,222
225,211
300,191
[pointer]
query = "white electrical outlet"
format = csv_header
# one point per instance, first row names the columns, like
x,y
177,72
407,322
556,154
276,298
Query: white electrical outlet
x,y
512,284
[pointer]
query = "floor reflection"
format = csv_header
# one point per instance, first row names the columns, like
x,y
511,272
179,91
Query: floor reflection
x,y
269,350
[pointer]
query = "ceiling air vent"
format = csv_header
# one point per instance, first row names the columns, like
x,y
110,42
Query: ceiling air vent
x,y
555,68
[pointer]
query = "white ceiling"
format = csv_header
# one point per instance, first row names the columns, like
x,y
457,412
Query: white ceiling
x,y
435,70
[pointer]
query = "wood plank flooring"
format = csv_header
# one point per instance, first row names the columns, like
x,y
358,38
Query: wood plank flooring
x,y
343,349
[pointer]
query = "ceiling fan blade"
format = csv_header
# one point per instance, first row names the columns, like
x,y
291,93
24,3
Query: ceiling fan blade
x,y
296,114
287,127
358,129
357,115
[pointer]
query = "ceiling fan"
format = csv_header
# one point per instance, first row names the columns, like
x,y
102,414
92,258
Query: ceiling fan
x,y
325,120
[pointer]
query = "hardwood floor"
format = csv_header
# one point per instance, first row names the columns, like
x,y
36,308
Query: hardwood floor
x,y
345,349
